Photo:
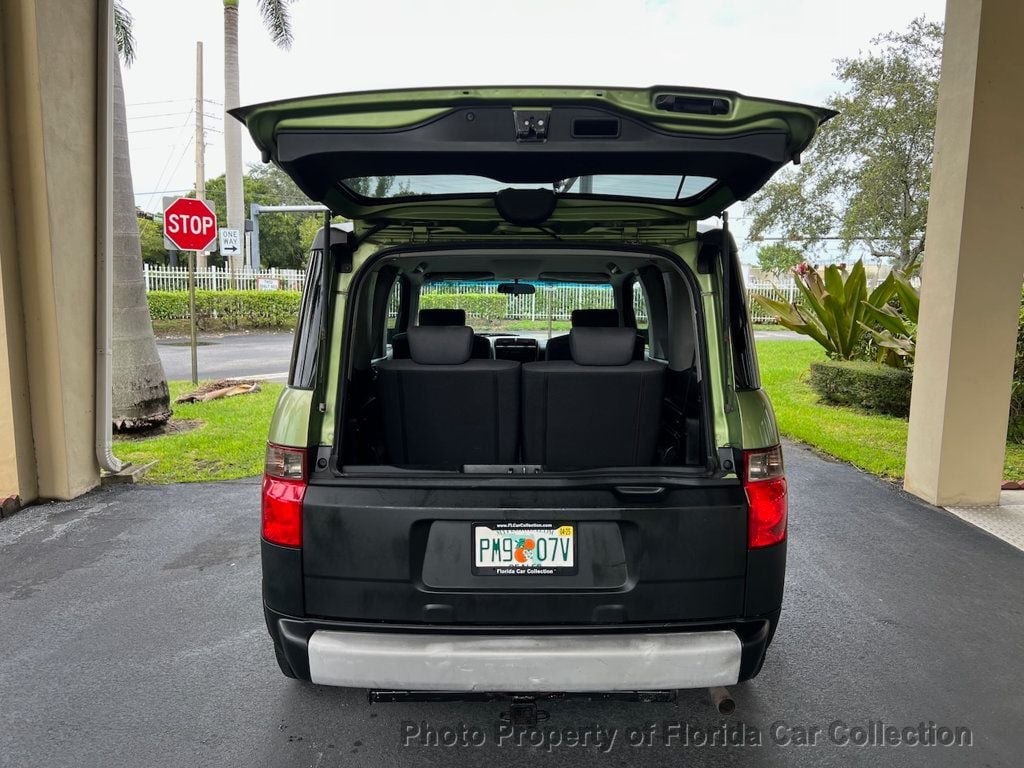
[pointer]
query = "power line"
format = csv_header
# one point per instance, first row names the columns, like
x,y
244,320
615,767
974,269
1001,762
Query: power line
x,y
170,154
172,101
154,130
214,115
181,157
162,191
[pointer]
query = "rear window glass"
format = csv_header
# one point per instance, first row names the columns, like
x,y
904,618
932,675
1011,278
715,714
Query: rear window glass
x,y
551,304
648,187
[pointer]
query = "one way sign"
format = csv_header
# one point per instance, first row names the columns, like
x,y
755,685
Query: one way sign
x,y
230,242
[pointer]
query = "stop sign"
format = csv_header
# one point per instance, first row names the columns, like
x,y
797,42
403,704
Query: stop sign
x,y
190,224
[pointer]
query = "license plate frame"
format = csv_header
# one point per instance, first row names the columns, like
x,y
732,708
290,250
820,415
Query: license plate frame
x,y
527,530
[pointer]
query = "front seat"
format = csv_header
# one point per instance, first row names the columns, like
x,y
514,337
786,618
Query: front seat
x,y
601,409
439,317
558,346
442,409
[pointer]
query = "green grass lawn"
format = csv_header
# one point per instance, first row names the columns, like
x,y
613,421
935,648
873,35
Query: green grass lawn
x,y
557,326
229,444
871,441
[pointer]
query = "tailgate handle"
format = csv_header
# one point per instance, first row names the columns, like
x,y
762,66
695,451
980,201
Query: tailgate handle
x,y
640,492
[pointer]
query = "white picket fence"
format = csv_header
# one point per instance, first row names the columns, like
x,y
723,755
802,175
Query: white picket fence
x,y
160,278
782,291
561,298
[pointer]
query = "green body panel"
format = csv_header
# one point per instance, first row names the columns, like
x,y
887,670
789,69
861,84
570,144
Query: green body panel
x,y
290,423
395,109
719,377
325,428
757,420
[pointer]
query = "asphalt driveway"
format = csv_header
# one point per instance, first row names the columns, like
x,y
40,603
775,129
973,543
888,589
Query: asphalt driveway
x,y
131,634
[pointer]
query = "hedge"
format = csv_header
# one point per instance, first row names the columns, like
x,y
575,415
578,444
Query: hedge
x,y
867,385
491,306
230,309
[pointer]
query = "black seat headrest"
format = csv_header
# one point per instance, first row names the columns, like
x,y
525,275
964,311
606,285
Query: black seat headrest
x,y
602,346
440,345
595,318
433,317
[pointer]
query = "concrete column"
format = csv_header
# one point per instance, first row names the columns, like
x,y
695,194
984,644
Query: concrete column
x,y
971,281
47,247
17,455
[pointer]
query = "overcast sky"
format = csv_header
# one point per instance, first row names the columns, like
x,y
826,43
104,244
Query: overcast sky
x,y
774,48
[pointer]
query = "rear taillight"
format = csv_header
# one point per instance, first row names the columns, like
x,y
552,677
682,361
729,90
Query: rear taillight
x,y
284,486
764,480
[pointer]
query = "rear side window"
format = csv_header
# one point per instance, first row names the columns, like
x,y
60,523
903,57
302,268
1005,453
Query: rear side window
x,y
640,310
307,333
394,310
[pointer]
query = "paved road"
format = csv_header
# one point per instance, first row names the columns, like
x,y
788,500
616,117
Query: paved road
x,y
267,354
131,635
232,355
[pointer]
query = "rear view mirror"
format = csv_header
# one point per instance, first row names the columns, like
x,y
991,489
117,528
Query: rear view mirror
x,y
516,288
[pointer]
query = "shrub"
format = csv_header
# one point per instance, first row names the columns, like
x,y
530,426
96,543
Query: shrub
x,y
866,385
490,306
1015,426
833,307
231,309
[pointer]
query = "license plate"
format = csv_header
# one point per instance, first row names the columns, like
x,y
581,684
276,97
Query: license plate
x,y
524,549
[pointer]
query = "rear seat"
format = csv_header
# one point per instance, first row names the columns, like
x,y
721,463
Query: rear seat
x,y
601,409
442,409
558,347
438,317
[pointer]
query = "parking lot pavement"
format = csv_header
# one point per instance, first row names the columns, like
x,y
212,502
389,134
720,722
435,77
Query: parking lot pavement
x,y
228,356
131,635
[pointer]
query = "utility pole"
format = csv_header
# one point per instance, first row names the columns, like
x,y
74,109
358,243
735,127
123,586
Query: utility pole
x,y
197,256
200,142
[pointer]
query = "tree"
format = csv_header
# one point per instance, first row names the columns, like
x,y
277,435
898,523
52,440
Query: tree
x,y
778,258
151,238
281,242
140,395
866,177
276,19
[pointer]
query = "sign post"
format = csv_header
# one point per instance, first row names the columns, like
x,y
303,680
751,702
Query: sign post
x,y
191,225
192,258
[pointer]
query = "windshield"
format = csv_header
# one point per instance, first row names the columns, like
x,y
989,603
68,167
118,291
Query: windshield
x,y
646,187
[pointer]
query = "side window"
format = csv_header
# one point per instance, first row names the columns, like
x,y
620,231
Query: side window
x,y
640,309
307,333
394,308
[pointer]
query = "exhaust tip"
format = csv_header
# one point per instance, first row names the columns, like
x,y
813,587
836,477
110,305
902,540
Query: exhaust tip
x,y
722,700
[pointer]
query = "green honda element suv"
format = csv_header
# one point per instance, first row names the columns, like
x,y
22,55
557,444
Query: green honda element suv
x,y
455,509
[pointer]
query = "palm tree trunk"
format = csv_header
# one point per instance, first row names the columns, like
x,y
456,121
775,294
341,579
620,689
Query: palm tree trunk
x,y
140,396
232,128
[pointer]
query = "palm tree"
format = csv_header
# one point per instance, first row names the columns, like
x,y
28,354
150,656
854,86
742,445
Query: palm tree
x,y
278,24
140,396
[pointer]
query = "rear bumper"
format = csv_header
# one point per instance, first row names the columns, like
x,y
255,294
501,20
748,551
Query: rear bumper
x,y
525,663
452,658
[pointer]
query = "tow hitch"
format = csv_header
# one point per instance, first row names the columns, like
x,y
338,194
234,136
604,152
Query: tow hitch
x,y
523,712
